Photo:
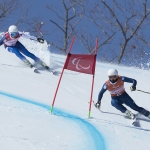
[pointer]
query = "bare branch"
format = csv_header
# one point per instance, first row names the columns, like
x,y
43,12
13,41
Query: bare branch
x,y
115,17
143,40
107,40
57,26
7,7
55,12
140,22
70,21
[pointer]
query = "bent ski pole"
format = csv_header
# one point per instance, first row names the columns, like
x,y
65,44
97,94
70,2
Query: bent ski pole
x,y
39,29
40,39
143,91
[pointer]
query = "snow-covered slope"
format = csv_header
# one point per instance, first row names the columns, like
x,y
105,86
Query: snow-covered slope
x,y
26,97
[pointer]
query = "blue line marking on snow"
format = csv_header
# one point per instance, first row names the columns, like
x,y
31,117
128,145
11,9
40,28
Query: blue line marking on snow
x,y
91,132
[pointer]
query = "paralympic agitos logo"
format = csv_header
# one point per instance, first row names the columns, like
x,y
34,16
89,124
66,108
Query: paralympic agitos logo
x,y
79,65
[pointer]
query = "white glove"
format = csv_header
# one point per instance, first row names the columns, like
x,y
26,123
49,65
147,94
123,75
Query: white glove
x,y
40,40
133,88
98,105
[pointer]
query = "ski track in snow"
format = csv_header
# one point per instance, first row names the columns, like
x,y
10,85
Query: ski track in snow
x,y
105,130
92,134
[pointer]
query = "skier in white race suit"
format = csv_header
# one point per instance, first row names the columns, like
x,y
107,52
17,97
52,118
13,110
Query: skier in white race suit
x,y
11,43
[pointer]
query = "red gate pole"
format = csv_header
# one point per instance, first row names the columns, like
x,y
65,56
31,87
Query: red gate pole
x,y
61,76
93,80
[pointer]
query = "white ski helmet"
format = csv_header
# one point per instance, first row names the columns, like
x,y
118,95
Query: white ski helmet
x,y
112,72
12,29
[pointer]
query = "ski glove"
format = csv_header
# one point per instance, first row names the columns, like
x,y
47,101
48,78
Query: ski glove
x,y
133,88
98,105
40,40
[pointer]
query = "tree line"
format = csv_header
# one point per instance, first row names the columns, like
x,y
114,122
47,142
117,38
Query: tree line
x,y
122,26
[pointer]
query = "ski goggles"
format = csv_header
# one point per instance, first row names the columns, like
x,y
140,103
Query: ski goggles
x,y
113,77
14,34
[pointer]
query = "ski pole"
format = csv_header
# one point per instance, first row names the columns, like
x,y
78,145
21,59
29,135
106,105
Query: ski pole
x,y
40,39
94,104
143,91
39,29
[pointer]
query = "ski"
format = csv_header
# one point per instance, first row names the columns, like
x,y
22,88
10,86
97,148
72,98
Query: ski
x,y
51,70
47,69
135,121
35,70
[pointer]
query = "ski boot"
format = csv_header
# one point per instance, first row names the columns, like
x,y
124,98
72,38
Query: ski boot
x,y
130,114
28,63
43,64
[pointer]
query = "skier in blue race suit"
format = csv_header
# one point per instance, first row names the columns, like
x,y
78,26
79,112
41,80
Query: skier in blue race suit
x,y
115,85
11,43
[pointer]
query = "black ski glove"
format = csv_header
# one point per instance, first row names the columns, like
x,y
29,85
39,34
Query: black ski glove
x,y
133,88
40,40
98,105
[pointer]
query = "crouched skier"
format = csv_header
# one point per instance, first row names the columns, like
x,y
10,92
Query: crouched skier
x,y
11,43
115,85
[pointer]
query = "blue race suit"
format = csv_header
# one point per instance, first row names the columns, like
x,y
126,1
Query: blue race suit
x,y
19,49
124,98
14,46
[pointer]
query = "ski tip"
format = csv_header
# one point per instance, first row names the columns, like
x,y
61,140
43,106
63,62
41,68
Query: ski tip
x,y
57,73
136,124
46,67
36,71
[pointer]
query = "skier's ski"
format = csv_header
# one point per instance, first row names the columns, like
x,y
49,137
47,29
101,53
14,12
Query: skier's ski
x,y
35,70
135,121
54,72
51,70
47,68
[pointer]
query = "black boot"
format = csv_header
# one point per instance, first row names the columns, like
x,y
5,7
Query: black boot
x,y
43,64
28,63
